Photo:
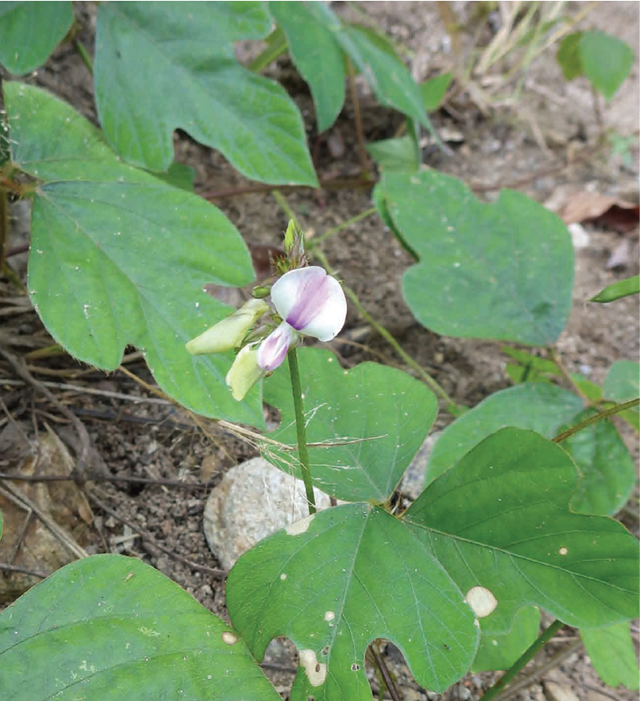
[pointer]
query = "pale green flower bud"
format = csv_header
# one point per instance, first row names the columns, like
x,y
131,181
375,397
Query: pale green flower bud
x,y
244,372
228,333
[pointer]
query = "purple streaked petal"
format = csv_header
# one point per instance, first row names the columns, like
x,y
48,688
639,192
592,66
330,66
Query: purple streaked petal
x,y
273,350
311,301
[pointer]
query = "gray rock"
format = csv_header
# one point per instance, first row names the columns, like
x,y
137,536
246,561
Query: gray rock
x,y
413,481
252,501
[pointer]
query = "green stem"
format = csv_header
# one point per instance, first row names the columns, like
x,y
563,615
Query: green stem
x,y
451,406
286,208
84,55
592,419
519,664
277,46
301,430
340,227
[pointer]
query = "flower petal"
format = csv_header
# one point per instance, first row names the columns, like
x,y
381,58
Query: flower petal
x,y
273,350
244,372
311,301
228,333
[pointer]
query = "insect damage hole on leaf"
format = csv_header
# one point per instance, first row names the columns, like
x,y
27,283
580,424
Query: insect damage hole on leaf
x,y
482,601
316,671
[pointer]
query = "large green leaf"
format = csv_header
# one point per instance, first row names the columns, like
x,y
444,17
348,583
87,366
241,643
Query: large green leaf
x,y
109,628
608,473
606,61
379,414
499,271
500,524
30,31
335,582
499,650
316,54
163,66
537,406
613,654
119,257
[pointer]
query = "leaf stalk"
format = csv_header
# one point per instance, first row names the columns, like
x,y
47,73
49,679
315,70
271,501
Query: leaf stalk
x,y
301,430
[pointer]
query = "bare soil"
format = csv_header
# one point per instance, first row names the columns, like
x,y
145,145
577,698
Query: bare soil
x,y
524,142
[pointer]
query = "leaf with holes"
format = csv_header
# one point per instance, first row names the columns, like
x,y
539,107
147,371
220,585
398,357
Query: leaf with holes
x,y
119,257
613,654
334,582
370,409
498,271
537,406
30,31
316,55
110,627
499,522
163,66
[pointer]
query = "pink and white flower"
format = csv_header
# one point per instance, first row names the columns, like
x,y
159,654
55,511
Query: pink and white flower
x,y
311,303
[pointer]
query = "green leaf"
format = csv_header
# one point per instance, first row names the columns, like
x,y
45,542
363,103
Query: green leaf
x,y
607,468
622,384
623,288
500,524
606,61
30,31
316,55
388,77
371,409
179,175
613,654
434,90
568,56
160,66
334,582
499,650
118,257
495,271
537,406
401,155
110,627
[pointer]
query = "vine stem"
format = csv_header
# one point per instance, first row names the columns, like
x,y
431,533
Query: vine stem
x,y
520,663
301,429
312,243
84,54
592,419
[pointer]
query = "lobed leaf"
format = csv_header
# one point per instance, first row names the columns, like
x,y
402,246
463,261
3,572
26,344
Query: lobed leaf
x,y
370,410
496,271
338,580
110,627
30,32
119,257
163,66
500,524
